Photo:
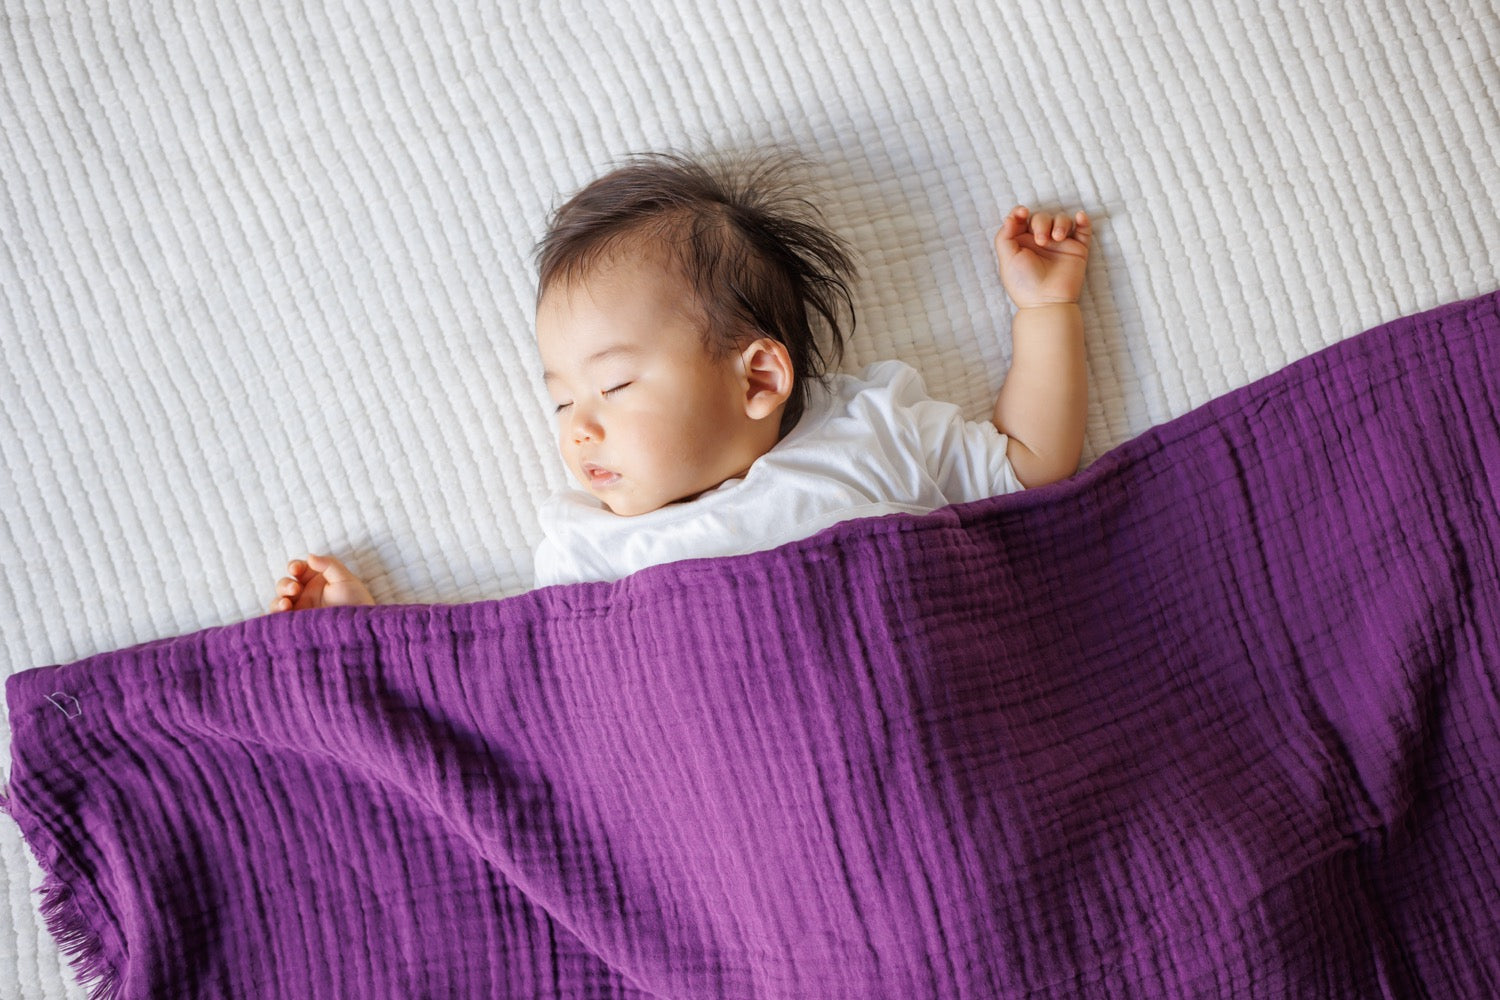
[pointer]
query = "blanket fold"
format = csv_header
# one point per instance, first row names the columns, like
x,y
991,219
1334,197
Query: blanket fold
x,y
1216,717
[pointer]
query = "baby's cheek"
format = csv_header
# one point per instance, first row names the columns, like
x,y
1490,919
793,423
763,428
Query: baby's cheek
x,y
680,461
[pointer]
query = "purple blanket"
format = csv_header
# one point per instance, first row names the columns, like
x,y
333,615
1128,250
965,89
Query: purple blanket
x,y
1219,716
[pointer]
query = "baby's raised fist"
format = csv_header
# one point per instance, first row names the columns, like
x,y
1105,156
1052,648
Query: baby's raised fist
x,y
1042,256
318,582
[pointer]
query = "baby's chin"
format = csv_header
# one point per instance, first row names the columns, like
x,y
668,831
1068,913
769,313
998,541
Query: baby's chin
x,y
622,508
635,507
625,506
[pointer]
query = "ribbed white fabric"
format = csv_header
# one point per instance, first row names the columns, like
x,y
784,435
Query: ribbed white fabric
x,y
265,283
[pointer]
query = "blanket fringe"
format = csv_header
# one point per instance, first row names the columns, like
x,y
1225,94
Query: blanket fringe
x,y
77,940
68,926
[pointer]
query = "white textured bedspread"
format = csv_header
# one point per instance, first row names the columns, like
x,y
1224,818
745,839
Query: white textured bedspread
x,y
265,275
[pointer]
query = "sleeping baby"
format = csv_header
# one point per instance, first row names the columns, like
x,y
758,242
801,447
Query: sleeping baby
x,y
680,304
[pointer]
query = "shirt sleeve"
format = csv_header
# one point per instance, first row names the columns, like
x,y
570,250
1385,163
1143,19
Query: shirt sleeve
x,y
544,569
561,555
966,458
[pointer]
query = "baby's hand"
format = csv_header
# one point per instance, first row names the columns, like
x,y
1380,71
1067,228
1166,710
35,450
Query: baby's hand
x,y
1042,263
318,582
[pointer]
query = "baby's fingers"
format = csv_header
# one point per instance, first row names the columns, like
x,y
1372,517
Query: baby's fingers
x,y
1013,226
1083,230
1015,222
1062,227
1041,227
333,571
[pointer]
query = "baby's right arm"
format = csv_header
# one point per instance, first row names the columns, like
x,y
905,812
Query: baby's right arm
x,y
318,582
1043,405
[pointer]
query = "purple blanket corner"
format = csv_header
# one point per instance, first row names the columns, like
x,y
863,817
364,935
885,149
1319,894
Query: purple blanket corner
x,y
1219,716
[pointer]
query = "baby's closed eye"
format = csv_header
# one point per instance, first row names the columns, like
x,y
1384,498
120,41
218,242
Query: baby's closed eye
x,y
604,392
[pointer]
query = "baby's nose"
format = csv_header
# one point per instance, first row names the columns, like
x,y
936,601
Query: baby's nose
x,y
586,429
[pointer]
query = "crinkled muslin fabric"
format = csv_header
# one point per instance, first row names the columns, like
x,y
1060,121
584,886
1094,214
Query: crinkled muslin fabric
x,y
1216,717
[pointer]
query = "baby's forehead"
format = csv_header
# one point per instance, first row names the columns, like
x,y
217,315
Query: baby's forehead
x,y
648,310
625,287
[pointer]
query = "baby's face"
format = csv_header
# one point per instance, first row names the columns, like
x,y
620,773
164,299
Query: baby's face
x,y
645,415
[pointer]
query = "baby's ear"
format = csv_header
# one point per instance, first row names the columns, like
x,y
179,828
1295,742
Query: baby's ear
x,y
768,376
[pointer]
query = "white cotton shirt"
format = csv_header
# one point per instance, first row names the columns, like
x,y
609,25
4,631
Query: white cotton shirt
x,y
876,444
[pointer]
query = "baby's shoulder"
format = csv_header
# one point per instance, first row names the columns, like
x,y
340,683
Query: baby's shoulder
x,y
883,394
889,383
887,374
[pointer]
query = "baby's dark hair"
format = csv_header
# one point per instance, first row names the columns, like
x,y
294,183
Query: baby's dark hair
x,y
754,250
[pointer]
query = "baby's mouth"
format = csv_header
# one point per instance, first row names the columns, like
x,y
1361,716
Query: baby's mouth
x,y
599,476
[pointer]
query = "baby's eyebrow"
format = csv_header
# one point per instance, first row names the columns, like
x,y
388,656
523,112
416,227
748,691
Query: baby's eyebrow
x,y
608,352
